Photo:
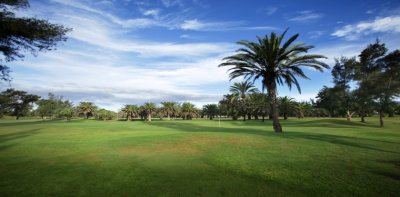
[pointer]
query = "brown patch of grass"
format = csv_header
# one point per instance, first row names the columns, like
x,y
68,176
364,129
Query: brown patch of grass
x,y
188,146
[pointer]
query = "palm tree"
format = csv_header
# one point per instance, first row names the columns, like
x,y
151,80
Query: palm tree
x,y
273,62
259,105
87,109
149,108
169,108
211,110
188,111
286,105
229,106
130,111
241,92
303,108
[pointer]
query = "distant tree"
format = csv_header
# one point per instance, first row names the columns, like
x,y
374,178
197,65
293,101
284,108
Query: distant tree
x,y
17,103
287,105
211,110
303,109
51,106
259,105
103,114
130,111
149,108
275,63
330,99
24,34
87,109
189,111
229,106
67,113
241,94
169,109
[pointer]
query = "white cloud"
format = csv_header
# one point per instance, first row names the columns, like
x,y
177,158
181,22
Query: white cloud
x,y
108,80
194,25
151,12
355,31
315,34
197,25
306,16
170,3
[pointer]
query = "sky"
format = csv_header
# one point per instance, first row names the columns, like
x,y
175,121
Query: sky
x,y
130,52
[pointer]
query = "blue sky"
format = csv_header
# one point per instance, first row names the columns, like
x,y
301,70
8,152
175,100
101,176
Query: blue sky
x,y
130,52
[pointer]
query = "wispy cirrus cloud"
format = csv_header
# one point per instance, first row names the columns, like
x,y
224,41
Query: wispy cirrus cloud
x,y
388,24
198,25
306,16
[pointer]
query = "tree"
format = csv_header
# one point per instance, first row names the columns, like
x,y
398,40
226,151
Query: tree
x,y
169,109
364,75
189,111
51,106
87,109
149,109
275,62
211,110
241,92
259,105
387,83
286,105
67,113
229,106
342,73
130,111
103,114
17,103
24,34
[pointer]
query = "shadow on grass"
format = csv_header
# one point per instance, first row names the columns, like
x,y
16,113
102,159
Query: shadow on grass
x,y
391,175
15,136
23,123
325,122
327,138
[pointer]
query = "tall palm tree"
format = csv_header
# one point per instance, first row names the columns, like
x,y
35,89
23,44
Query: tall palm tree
x,y
149,108
130,111
275,62
169,108
241,92
87,109
286,105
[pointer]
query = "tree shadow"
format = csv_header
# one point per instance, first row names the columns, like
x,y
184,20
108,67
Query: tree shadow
x,y
327,122
341,140
15,136
327,138
24,123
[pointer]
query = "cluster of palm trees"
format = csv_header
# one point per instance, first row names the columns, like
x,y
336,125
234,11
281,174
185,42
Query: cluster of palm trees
x,y
168,110
246,101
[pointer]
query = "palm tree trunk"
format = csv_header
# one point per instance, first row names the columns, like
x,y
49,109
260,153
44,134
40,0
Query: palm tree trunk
x,y
285,116
149,117
381,115
271,88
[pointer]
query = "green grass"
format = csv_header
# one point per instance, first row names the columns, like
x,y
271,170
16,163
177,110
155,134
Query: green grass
x,y
313,157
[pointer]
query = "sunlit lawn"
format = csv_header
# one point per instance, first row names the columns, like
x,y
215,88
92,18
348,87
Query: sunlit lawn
x,y
314,157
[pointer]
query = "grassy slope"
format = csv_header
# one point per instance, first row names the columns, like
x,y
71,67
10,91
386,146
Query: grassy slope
x,y
171,158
